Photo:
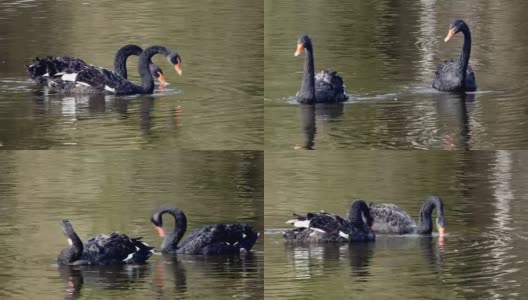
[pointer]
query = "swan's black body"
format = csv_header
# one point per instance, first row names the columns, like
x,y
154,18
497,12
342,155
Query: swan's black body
x,y
325,87
105,249
211,240
41,70
389,218
457,75
330,228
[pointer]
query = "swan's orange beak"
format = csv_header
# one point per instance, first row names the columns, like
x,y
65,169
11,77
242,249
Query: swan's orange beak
x,y
450,34
161,79
161,232
441,231
178,68
300,48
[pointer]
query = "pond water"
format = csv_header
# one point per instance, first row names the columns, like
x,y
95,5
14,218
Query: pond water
x,y
215,104
100,192
387,53
483,256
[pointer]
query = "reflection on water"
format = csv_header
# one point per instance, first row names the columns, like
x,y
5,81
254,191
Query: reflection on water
x,y
74,114
387,54
104,191
244,273
101,278
315,260
220,90
324,125
168,276
481,257
455,107
324,112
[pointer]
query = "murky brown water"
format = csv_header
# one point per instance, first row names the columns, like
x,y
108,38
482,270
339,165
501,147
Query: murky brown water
x,y
101,191
216,104
485,202
387,52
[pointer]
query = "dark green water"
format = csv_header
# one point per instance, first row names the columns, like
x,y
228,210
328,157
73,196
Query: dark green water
x,y
485,203
219,93
100,192
387,53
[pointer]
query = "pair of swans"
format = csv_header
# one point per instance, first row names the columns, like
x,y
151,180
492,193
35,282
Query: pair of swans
x,y
363,222
327,86
116,248
71,75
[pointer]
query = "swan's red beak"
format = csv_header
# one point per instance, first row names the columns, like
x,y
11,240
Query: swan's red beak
x,y
300,48
178,68
450,34
441,231
161,232
161,79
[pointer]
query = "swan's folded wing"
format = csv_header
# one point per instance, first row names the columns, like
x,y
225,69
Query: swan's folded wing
x,y
329,87
328,223
233,236
390,218
49,66
112,248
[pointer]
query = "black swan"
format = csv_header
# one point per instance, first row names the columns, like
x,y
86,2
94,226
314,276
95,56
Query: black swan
x,y
210,240
323,87
456,75
329,228
104,249
389,218
95,80
42,69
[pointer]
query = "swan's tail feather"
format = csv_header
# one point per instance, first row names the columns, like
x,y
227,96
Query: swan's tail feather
x,y
52,65
144,251
249,238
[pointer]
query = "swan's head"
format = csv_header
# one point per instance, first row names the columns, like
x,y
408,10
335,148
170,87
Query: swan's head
x,y
180,221
67,229
454,28
304,42
440,226
175,59
157,73
157,221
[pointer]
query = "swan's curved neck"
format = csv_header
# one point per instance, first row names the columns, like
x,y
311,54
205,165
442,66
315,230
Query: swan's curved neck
x,y
121,57
307,94
358,211
170,242
143,66
426,222
466,51
73,252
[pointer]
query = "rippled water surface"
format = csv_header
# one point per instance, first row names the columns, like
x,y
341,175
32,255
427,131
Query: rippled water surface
x,y
102,192
215,104
387,52
483,256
